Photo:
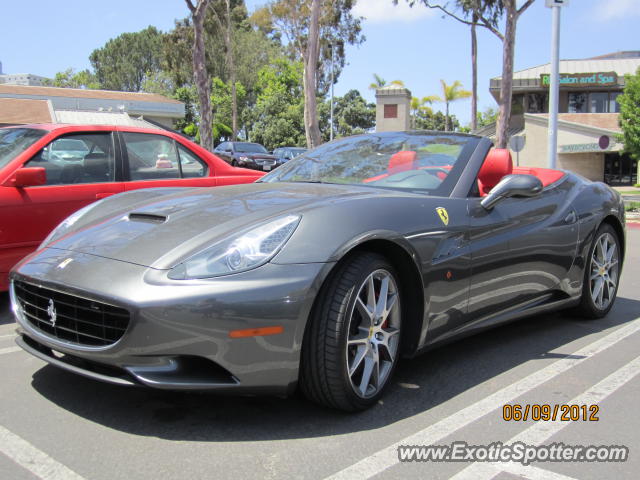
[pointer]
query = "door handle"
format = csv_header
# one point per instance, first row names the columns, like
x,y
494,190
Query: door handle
x,y
570,218
103,195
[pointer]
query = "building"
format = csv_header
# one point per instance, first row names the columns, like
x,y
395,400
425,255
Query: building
x,y
587,121
20,104
23,79
393,104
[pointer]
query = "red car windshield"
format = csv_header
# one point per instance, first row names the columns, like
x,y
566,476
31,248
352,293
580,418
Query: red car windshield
x,y
14,141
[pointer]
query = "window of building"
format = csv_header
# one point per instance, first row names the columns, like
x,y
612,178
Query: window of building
x,y
391,111
594,102
577,102
599,102
537,103
614,106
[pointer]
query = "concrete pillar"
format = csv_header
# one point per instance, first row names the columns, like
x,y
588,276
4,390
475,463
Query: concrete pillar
x,y
392,108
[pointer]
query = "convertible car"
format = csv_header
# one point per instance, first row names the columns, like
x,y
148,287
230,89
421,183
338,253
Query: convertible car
x,y
320,275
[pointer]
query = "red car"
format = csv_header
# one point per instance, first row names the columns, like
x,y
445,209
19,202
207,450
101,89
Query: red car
x,y
47,172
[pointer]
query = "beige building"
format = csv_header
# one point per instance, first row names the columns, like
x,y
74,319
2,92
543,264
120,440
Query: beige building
x,y
392,109
588,119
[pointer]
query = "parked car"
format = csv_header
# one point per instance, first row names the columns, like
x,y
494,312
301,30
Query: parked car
x,y
321,274
285,154
47,172
247,155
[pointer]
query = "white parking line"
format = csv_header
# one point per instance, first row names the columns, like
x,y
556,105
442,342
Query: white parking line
x,y
388,457
32,459
7,336
540,432
490,470
9,350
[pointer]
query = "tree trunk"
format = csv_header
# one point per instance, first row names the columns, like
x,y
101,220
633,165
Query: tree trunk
x,y
203,84
232,74
506,84
474,73
311,127
446,116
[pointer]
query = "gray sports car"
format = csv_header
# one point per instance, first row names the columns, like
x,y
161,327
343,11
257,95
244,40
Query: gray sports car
x,y
320,275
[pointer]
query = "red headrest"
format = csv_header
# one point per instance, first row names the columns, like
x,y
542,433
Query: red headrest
x,y
401,161
497,164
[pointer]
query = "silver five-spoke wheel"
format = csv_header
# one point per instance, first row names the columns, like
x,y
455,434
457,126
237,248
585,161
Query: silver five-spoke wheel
x,y
374,328
603,278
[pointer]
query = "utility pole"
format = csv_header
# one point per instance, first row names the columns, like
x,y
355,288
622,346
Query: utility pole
x,y
554,87
331,119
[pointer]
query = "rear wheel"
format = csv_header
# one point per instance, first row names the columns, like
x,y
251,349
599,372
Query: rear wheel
x,y
352,344
601,275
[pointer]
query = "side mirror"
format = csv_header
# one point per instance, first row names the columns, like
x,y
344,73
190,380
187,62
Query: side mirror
x,y
28,177
512,186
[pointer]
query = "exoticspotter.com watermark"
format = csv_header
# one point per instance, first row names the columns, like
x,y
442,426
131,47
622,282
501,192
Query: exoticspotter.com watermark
x,y
512,452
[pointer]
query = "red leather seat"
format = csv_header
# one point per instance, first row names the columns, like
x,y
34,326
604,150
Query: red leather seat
x,y
399,162
497,164
402,161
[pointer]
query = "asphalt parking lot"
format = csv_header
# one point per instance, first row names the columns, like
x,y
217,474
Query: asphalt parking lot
x,y
55,425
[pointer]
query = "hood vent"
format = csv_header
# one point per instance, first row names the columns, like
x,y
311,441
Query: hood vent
x,y
147,217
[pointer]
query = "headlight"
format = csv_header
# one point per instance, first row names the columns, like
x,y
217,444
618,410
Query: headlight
x,y
67,223
242,158
249,250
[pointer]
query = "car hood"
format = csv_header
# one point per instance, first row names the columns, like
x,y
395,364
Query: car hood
x,y
160,231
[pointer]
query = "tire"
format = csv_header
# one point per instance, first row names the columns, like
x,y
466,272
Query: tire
x,y
603,269
234,163
348,331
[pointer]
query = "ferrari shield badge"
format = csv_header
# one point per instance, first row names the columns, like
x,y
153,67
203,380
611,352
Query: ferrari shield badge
x,y
443,214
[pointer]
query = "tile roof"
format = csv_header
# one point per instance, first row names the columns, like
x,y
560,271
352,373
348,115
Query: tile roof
x,y
22,110
83,93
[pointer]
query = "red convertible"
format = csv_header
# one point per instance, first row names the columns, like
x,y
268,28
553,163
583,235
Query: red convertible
x,y
47,172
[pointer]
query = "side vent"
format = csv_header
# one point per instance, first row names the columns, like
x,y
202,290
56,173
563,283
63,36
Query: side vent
x,y
147,217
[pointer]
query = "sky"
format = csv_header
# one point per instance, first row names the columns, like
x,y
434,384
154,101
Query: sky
x,y
415,45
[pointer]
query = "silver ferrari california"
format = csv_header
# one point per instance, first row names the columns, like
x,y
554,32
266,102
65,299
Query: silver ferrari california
x,y
320,275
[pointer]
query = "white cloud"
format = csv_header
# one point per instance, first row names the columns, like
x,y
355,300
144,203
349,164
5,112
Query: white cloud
x,y
612,9
384,11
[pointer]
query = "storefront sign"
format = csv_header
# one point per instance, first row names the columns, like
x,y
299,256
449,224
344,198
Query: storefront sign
x,y
600,79
589,147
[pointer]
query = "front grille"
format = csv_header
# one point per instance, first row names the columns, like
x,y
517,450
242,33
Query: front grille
x,y
77,320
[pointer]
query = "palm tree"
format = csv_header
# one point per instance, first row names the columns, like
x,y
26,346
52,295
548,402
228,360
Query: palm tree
x,y
419,105
379,82
451,93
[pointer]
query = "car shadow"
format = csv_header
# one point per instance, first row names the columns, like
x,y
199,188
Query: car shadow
x,y
6,317
420,384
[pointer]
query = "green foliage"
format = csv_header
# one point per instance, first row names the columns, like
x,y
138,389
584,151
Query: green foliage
x,y
379,82
69,78
352,115
221,106
632,207
429,120
277,118
630,114
338,27
489,116
124,62
189,96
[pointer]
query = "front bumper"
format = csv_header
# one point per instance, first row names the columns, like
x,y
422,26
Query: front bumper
x,y
178,334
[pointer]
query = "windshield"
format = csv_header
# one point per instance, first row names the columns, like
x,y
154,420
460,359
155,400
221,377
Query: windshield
x,y
427,162
250,148
14,141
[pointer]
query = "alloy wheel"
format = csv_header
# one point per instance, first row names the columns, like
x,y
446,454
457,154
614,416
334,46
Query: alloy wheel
x,y
373,334
603,278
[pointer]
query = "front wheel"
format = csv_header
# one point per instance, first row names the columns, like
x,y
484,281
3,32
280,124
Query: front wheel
x,y
352,343
234,163
601,275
